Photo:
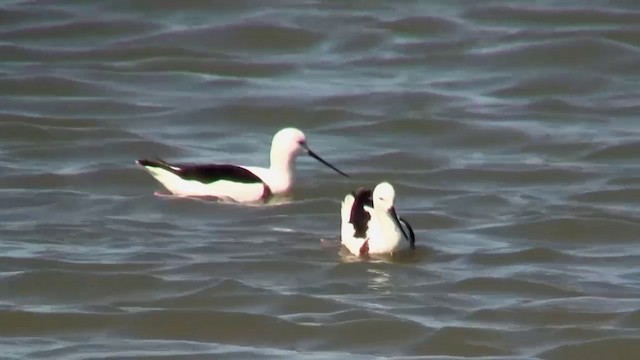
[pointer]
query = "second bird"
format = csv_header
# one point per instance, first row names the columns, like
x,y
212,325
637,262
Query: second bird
x,y
370,225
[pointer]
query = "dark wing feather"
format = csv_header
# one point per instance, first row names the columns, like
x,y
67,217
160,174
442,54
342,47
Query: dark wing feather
x,y
412,236
206,173
359,216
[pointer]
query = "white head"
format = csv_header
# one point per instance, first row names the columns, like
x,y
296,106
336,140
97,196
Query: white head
x,y
384,196
287,144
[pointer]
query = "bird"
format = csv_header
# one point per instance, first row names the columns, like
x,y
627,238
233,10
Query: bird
x,y
370,224
237,183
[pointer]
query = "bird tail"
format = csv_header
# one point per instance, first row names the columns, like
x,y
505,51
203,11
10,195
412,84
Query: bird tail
x,y
158,163
347,204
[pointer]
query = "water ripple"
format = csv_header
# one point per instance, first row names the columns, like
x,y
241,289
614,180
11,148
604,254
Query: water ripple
x,y
509,131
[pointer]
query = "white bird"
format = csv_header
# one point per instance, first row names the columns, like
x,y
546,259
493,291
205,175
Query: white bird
x,y
370,224
235,182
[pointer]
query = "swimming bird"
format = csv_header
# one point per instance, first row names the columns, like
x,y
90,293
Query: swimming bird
x,y
235,182
370,224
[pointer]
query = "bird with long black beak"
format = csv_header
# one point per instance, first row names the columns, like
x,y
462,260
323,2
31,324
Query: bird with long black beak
x,y
370,224
236,182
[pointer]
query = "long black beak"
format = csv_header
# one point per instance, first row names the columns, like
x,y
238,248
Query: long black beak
x,y
317,157
394,216
412,235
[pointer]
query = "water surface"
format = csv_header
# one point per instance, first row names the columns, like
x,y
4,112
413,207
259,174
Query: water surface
x,y
509,130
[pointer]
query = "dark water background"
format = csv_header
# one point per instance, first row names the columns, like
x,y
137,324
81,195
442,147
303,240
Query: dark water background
x,y
510,129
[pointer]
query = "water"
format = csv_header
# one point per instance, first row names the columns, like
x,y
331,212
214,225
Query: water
x,y
509,130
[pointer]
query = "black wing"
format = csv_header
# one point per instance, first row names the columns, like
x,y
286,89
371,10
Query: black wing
x,y
412,236
206,173
359,216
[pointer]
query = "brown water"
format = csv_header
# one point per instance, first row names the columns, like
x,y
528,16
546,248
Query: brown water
x,y
511,133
